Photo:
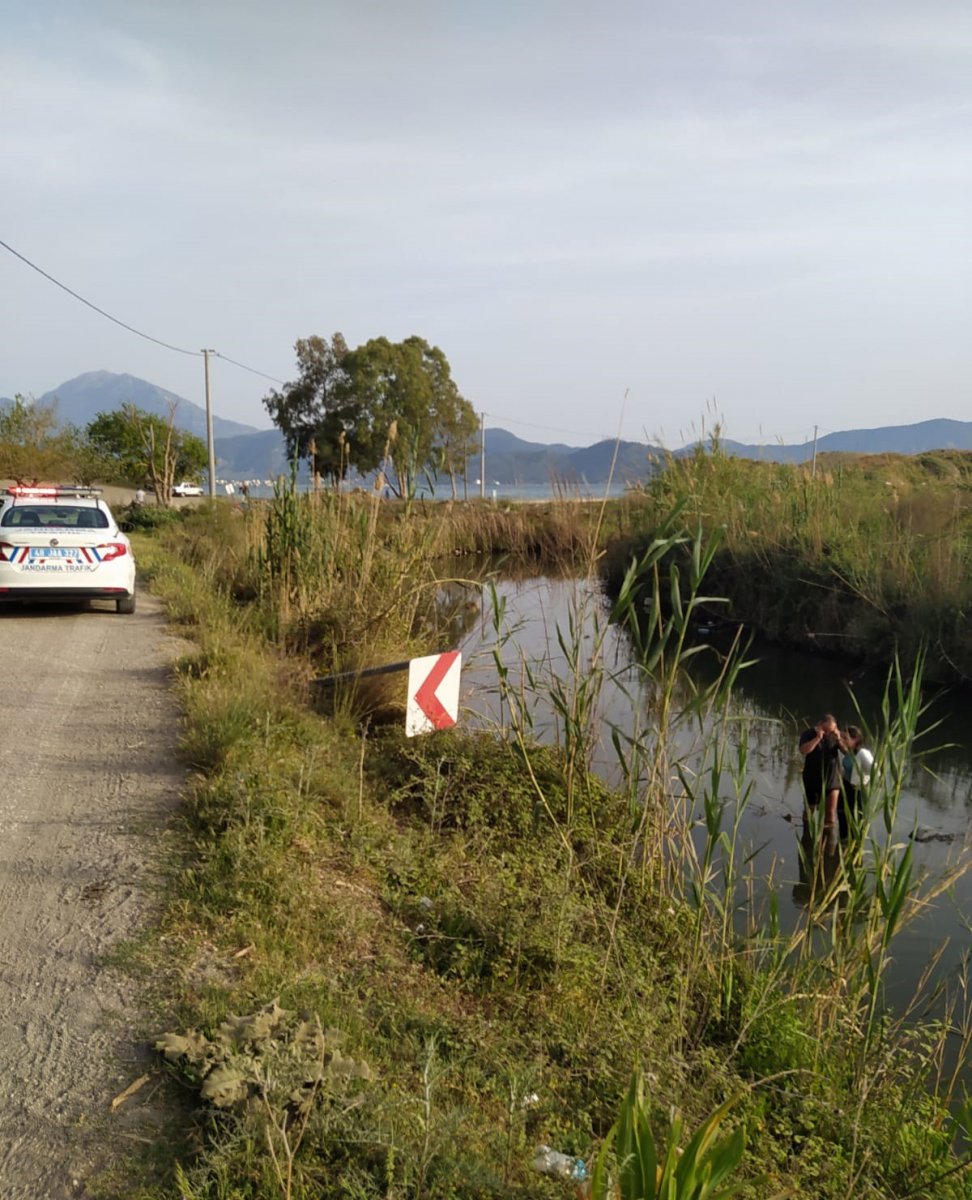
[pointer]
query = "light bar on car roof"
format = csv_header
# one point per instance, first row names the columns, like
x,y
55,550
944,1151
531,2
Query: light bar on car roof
x,y
49,491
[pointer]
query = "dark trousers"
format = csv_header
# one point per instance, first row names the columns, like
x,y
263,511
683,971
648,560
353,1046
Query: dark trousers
x,y
849,802
813,790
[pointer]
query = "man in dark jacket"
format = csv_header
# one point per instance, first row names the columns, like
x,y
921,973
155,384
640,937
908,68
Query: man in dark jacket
x,y
821,748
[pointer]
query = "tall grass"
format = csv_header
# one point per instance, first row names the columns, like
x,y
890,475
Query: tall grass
x,y
314,574
337,574
870,557
824,980
864,901
497,932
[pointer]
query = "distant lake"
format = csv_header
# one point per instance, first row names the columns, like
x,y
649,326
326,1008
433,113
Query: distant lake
x,y
494,491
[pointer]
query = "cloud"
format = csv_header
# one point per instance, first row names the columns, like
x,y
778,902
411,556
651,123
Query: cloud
x,y
718,174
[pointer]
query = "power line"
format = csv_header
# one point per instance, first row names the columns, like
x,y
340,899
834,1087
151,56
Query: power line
x,y
64,288
546,428
252,370
225,357
131,328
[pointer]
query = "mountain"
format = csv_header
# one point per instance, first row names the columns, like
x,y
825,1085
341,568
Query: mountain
x,y
633,461
510,459
79,401
259,455
937,434
244,452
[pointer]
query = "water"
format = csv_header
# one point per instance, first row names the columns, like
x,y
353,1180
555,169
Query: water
x,y
496,490
775,699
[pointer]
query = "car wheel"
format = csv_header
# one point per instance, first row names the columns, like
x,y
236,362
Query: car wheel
x,y
126,604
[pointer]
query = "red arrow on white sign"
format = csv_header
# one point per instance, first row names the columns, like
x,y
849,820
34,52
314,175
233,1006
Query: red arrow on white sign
x,y
433,692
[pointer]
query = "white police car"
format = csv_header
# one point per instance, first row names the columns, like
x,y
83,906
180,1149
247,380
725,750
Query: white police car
x,y
62,543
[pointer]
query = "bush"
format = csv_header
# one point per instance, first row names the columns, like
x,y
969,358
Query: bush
x,y
145,517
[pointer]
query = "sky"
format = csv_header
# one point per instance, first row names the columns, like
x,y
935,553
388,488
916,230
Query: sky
x,y
613,217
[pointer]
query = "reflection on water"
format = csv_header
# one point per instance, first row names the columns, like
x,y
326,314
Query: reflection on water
x,y
818,868
775,698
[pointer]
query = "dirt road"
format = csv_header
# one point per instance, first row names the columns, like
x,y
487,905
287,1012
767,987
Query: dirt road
x,y
88,731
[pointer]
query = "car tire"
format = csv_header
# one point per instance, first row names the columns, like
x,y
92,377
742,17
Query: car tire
x,y
126,604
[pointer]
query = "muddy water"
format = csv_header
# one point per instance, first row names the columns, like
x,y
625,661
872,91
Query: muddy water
x,y
775,698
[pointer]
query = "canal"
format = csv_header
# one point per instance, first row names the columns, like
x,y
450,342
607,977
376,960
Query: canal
x,y
780,693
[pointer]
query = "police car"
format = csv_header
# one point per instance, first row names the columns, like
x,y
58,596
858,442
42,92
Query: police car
x,y
62,543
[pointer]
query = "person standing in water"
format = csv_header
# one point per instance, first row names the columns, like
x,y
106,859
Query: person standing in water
x,y
821,748
857,764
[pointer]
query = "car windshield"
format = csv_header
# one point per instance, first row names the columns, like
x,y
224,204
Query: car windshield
x,y
48,516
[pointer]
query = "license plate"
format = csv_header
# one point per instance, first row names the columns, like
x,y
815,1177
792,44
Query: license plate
x,y
54,552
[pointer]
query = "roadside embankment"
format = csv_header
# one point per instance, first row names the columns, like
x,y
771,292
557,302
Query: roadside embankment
x,y
868,559
483,941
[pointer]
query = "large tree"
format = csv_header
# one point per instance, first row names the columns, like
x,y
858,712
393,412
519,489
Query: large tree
x,y
349,408
315,413
408,403
139,447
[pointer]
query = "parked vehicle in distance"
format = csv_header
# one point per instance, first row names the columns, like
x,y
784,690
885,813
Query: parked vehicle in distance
x,y
187,489
62,543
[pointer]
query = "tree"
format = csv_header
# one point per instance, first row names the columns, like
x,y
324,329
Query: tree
x,y
139,447
90,464
113,437
406,387
349,408
316,415
460,432
32,446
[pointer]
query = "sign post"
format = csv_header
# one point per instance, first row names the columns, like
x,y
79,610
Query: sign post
x,y
433,693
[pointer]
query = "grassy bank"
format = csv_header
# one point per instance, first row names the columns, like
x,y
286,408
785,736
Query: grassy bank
x,y
869,558
486,942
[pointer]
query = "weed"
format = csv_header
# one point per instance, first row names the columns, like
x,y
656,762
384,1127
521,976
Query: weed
x,y
488,921
869,557
696,1171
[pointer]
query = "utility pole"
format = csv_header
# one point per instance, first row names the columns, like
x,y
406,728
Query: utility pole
x,y
209,429
813,467
482,456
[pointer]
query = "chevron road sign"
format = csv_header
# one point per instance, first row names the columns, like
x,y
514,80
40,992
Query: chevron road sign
x,y
433,693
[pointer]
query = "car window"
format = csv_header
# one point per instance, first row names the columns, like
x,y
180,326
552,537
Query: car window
x,y
49,516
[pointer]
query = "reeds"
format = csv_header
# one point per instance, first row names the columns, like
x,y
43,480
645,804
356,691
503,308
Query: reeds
x,y
336,583
871,556
491,898
688,798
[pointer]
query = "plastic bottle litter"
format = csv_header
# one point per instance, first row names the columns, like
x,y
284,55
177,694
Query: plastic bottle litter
x,y
562,1166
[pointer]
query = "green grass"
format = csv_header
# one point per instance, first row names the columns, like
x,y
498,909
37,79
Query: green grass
x,y
870,558
500,938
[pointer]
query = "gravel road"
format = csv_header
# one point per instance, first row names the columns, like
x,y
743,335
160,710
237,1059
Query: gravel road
x,y
88,731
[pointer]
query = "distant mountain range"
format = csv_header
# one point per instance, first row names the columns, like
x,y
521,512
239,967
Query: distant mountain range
x,y
245,452
509,459
81,399
936,434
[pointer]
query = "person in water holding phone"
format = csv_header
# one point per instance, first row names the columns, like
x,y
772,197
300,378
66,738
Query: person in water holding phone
x,y
822,748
